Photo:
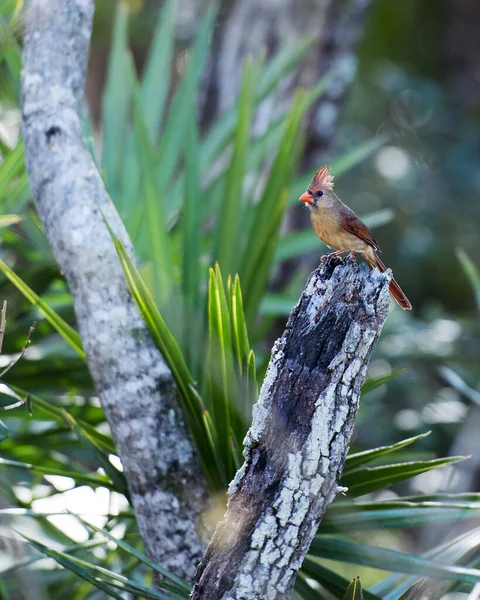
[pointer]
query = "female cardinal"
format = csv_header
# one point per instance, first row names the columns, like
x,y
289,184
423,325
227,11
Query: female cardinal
x,y
339,227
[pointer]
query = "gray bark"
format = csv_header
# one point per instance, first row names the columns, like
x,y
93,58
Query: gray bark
x,y
135,386
296,447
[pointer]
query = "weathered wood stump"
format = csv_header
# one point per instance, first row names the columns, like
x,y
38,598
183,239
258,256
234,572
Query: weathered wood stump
x,y
297,444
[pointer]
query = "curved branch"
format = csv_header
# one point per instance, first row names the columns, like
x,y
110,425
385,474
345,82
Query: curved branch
x,y
135,386
302,424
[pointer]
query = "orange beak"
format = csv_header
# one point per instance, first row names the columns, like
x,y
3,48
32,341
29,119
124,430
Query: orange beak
x,y
307,198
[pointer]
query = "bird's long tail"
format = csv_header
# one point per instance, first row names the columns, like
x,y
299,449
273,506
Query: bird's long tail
x,y
394,288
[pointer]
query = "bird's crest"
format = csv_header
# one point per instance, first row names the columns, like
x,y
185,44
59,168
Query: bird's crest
x,y
322,180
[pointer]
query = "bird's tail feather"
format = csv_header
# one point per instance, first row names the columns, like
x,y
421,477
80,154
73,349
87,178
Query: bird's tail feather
x,y
394,288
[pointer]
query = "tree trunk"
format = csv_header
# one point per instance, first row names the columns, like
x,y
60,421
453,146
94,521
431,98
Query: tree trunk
x,y
297,444
258,26
135,386
345,25
462,66
265,26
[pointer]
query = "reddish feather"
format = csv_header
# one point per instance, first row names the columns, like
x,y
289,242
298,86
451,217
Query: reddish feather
x,y
353,224
322,180
394,288
349,221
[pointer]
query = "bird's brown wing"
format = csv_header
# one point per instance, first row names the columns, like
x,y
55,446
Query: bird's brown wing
x,y
351,223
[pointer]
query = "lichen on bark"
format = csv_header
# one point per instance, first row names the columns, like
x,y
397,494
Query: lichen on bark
x,y
135,386
302,424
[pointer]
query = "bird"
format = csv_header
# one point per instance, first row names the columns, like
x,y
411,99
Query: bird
x,y
340,228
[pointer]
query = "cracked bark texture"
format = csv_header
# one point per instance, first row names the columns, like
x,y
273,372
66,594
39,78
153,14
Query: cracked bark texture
x,y
297,444
135,386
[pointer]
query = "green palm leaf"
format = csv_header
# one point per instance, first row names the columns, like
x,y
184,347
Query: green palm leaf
x,y
336,584
360,458
354,590
365,480
228,226
116,103
389,560
67,332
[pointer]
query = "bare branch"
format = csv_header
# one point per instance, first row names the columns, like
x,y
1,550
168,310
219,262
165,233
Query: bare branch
x,y
297,444
135,386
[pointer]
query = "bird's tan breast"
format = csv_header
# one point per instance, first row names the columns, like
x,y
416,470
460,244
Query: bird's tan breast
x,y
327,227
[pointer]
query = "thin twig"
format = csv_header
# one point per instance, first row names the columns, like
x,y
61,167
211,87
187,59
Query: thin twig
x,y
15,405
3,323
22,353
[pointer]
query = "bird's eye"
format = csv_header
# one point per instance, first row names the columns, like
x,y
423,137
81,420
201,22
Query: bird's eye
x,y
318,194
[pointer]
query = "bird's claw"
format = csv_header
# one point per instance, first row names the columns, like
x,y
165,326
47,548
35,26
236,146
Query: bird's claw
x,y
333,256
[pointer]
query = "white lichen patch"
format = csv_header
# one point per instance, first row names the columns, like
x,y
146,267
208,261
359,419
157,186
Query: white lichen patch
x,y
314,285
316,483
314,308
234,484
302,503
261,408
293,478
351,371
266,529
286,556
270,553
340,417
243,588
283,505
317,443
259,418
290,535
